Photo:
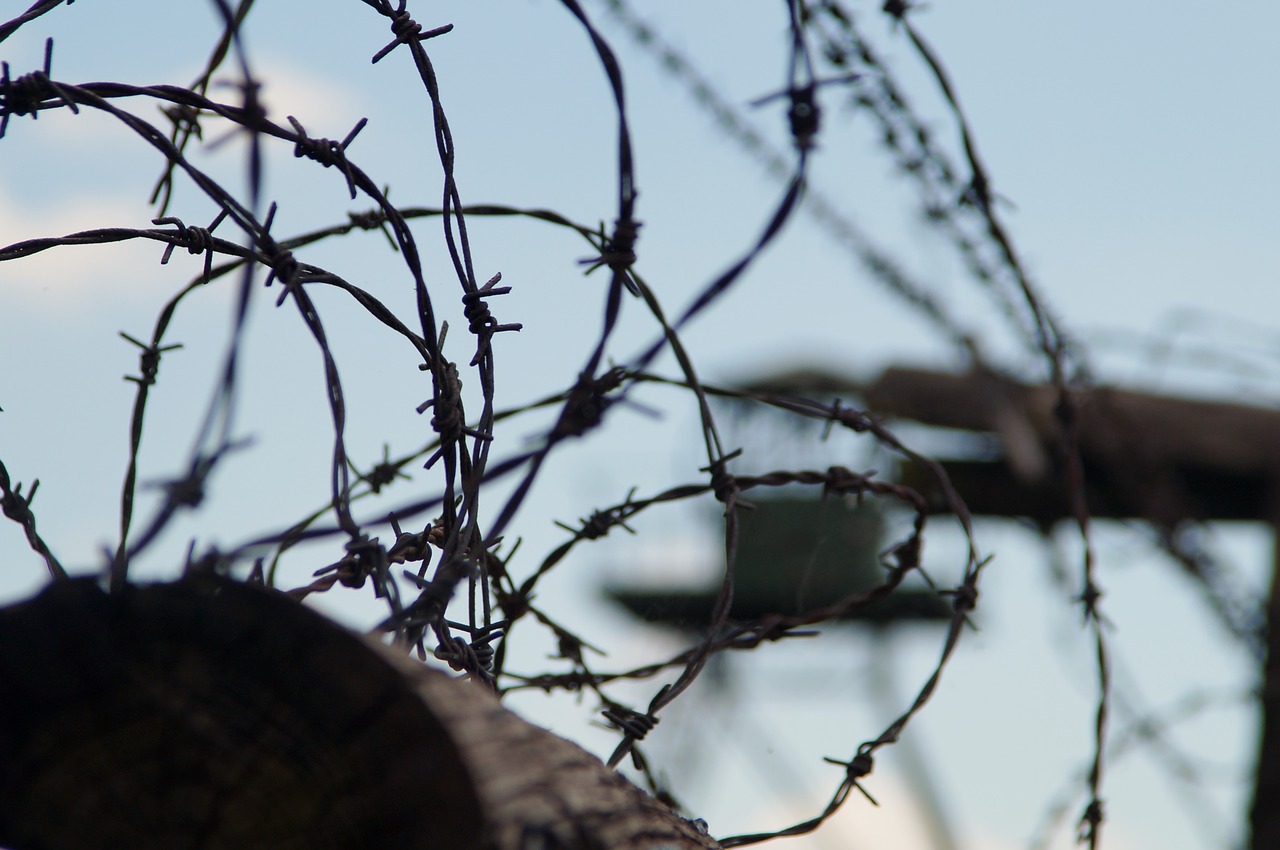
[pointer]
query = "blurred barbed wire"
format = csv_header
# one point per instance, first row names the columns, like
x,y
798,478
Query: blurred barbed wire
x,y
453,589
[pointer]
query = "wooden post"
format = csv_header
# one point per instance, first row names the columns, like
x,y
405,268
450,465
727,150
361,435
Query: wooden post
x,y
1264,814
207,713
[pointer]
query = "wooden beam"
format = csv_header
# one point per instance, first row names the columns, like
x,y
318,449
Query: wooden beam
x,y
1166,497
1224,438
1155,458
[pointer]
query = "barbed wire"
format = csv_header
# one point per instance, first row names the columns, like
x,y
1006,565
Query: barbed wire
x,y
449,535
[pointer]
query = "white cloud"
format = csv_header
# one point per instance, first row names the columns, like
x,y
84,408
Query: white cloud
x,y
72,201
326,107
67,276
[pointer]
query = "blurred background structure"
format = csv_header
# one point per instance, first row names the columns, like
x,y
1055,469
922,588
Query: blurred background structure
x,y
993,209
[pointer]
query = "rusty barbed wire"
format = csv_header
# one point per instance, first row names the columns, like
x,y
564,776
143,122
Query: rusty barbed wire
x,y
735,123
1067,372
40,7
17,507
1146,732
456,538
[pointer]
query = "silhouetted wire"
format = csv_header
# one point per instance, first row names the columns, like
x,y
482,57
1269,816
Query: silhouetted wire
x,y
40,7
734,122
1059,356
451,529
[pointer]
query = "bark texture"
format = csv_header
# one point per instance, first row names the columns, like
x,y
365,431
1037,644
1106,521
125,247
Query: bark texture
x,y
207,714
540,790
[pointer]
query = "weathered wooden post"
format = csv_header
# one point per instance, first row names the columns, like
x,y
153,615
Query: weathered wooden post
x,y
211,714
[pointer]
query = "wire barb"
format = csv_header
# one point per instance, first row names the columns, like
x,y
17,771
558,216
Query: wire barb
x,y
480,321
27,94
194,239
407,31
326,151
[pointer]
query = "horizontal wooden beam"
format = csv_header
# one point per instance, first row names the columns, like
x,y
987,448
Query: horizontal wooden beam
x,y
1114,424
1146,456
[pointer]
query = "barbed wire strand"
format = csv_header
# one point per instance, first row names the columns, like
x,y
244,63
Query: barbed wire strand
x,y
451,533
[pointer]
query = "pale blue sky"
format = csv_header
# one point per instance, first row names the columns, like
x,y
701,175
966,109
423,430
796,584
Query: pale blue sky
x,y
1134,143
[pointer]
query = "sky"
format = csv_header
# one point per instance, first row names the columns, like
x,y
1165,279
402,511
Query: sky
x,y
1131,148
